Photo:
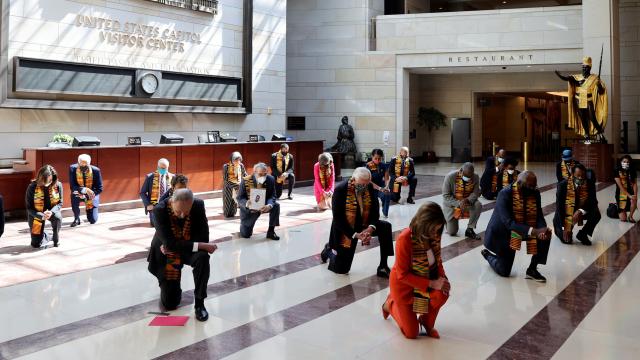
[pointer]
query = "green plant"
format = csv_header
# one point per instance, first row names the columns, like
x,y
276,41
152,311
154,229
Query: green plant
x,y
431,117
62,138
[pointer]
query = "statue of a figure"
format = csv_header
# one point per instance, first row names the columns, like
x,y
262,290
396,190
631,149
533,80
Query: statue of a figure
x,y
345,142
587,102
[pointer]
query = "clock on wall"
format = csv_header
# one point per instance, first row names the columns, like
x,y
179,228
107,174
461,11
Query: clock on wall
x,y
147,82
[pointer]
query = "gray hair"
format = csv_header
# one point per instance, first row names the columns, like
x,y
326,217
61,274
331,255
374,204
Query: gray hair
x,y
163,161
284,146
361,173
325,159
259,165
84,157
235,156
182,195
522,177
405,148
466,167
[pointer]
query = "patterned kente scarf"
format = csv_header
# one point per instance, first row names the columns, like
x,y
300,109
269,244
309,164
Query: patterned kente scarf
x,y
570,202
155,188
325,172
38,204
565,168
463,190
85,180
624,181
352,207
525,211
233,175
420,266
279,164
250,184
400,168
181,233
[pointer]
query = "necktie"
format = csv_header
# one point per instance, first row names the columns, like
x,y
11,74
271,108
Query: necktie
x,y
162,189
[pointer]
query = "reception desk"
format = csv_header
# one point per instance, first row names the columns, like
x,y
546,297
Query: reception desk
x,y
124,167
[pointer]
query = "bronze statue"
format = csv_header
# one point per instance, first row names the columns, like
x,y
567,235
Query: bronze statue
x,y
345,142
587,102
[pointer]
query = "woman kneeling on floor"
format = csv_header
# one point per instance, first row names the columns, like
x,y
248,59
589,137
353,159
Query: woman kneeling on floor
x,y
419,286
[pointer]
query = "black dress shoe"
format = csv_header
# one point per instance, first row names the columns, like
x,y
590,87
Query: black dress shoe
x,y
201,313
485,254
383,272
272,236
471,234
584,238
290,197
533,274
324,255
75,222
410,201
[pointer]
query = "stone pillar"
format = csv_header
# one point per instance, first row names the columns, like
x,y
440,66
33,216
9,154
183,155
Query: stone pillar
x,y
600,28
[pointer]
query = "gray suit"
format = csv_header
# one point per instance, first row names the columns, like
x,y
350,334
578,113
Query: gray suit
x,y
449,202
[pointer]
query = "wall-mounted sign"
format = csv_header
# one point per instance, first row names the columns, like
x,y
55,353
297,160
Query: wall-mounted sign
x,y
491,59
208,6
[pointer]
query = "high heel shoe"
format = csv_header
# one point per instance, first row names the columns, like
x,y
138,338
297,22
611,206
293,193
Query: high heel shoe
x,y
385,313
432,333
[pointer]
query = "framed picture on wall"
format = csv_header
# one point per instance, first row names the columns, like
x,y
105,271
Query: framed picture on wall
x,y
213,136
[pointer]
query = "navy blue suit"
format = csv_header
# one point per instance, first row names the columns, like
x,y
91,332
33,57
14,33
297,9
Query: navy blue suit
x,y
248,217
147,188
498,234
96,187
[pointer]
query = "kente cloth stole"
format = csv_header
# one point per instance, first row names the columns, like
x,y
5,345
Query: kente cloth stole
x,y
525,211
173,266
352,207
155,191
420,266
232,173
38,204
400,168
573,200
463,190
325,172
87,182
565,169
624,181
282,165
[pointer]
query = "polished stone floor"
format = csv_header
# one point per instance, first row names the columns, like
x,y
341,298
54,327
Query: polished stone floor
x,y
89,298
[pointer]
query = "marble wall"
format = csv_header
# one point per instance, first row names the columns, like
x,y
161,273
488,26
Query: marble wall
x,y
47,29
629,20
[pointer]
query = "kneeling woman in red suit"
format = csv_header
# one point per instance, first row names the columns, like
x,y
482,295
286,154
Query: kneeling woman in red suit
x,y
419,286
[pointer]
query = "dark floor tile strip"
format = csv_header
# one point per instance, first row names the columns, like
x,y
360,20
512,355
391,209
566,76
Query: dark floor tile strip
x,y
549,329
59,335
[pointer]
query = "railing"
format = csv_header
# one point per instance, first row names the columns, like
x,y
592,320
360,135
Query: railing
x,y
208,6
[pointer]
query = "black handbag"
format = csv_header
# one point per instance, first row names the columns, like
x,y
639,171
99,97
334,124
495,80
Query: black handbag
x,y
612,211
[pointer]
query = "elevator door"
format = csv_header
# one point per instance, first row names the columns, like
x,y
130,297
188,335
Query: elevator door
x,y
460,140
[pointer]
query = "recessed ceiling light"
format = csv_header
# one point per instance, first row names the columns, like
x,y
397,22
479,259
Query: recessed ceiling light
x,y
504,2
440,8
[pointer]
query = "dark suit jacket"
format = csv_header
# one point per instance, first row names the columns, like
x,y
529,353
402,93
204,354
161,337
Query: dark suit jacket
x,y
340,226
274,167
485,182
487,175
31,210
96,187
590,205
145,190
498,231
269,185
392,166
164,236
559,169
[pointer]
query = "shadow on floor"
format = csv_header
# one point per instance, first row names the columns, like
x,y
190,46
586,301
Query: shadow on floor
x,y
17,250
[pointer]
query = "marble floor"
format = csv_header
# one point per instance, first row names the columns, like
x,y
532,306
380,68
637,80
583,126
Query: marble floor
x,y
90,298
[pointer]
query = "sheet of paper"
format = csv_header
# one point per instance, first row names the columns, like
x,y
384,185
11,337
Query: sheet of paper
x,y
169,321
257,199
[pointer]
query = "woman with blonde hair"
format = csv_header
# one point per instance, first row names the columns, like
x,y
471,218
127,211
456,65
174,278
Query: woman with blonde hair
x,y
324,175
418,284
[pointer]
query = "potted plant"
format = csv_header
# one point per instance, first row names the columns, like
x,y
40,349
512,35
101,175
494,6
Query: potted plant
x,y
432,118
61,141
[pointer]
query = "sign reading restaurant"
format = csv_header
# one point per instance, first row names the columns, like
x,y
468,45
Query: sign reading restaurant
x,y
115,32
504,58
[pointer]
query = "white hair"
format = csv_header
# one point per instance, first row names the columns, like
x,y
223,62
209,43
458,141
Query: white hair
x,y
259,165
325,158
361,173
236,155
405,148
84,157
163,161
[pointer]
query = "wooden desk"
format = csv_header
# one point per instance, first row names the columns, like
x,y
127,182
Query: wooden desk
x,y
124,167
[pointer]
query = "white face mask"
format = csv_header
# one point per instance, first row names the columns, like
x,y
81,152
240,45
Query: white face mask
x,y
500,160
465,178
261,179
48,184
510,172
625,165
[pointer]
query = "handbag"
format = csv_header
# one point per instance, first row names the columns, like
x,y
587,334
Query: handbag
x,y
612,211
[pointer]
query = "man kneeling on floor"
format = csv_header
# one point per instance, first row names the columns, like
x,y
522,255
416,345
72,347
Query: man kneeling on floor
x,y
251,206
517,217
182,237
356,217
460,193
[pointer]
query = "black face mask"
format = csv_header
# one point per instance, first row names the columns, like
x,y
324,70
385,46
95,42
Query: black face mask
x,y
84,168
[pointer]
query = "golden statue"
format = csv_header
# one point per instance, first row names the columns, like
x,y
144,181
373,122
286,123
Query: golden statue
x,y
588,106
